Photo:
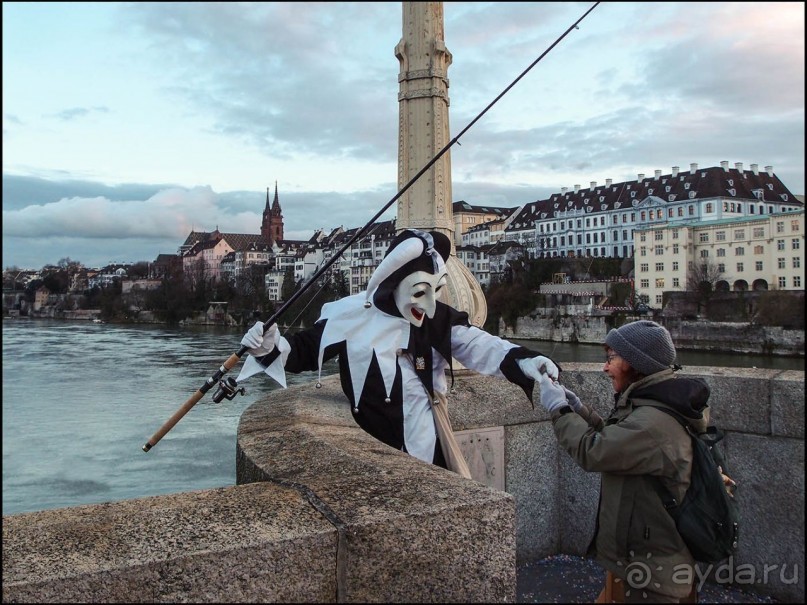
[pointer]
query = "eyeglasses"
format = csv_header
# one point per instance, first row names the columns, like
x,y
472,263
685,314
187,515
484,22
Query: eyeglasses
x,y
609,358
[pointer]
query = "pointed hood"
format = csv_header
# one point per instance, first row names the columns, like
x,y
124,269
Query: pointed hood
x,y
411,250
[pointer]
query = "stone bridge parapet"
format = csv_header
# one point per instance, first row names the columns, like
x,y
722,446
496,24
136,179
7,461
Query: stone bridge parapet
x,y
324,513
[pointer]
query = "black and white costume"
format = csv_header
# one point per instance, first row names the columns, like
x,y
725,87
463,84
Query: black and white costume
x,y
390,368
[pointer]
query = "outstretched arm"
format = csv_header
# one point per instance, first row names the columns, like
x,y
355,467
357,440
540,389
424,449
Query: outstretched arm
x,y
494,356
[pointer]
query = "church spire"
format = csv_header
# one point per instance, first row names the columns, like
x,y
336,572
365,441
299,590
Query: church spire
x,y
272,224
275,203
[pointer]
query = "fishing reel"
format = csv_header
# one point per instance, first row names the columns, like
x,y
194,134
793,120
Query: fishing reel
x,y
228,388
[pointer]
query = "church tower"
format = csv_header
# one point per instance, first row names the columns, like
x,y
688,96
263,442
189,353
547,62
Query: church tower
x,y
272,225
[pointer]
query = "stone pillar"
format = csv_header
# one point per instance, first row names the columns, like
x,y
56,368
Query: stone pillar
x,y
422,132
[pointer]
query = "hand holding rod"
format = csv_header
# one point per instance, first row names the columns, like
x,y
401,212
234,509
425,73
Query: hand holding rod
x,y
233,359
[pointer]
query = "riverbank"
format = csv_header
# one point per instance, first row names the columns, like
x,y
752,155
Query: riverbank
x,y
688,335
696,335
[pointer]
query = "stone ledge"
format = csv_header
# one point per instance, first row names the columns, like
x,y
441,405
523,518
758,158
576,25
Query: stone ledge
x,y
258,542
409,531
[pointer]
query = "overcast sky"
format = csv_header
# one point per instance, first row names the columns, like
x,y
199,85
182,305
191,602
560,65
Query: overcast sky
x,y
126,125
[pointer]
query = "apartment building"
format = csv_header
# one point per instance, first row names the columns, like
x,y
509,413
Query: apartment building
x,y
601,221
468,216
738,254
476,259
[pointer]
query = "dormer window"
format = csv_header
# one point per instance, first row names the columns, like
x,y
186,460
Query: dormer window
x,y
667,188
602,198
671,198
770,186
617,205
603,206
686,186
649,192
692,194
732,192
633,194
731,182
783,196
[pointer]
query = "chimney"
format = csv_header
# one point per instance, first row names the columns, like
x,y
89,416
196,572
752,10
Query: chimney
x,y
593,185
755,168
563,190
675,170
738,166
641,177
608,182
693,168
769,170
724,165
658,173
576,188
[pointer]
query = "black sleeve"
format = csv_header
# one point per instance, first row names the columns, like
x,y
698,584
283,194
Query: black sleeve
x,y
513,373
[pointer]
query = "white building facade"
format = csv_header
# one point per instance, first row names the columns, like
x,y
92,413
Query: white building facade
x,y
748,253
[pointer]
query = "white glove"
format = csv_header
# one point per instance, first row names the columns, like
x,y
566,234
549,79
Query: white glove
x,y
553,396
258,342
531,367
573,400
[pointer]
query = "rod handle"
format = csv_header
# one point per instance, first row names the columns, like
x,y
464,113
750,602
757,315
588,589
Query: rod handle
x,y
192,401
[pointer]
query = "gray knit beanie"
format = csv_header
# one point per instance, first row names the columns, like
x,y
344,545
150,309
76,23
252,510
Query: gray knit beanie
x,y
644,344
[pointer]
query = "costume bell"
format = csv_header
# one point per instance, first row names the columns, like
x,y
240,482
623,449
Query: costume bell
x,y
395,342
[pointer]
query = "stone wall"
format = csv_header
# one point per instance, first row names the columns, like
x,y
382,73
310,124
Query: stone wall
x,y
324,513
737,337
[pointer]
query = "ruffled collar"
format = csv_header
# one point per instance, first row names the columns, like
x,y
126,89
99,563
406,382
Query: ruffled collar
x,y
367,333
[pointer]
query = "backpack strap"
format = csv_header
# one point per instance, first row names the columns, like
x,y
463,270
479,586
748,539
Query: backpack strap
x,y
667,499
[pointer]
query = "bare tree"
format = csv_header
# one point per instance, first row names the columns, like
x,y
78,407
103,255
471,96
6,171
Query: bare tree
x,y
702,281
250,288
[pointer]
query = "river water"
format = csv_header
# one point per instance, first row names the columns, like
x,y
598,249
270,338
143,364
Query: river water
x,y
80,400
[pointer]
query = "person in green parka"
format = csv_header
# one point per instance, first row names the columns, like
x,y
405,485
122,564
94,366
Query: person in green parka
x,y
636,539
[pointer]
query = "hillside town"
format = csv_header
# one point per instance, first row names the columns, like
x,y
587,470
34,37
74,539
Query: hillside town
x,y
703,231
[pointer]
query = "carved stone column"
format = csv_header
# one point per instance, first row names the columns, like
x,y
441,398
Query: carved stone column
x,y
422,132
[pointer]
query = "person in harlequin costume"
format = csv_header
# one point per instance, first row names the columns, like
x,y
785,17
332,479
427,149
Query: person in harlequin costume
x,y
395,342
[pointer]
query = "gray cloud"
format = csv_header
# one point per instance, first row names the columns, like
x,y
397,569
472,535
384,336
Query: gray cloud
x,y
21,191
79,112
272,78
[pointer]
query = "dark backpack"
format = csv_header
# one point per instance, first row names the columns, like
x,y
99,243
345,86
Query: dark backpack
x,y
708,518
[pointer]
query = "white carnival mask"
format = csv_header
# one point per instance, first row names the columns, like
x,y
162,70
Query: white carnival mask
x,y
416,296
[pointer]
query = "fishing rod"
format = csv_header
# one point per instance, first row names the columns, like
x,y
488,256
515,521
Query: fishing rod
x,y
229,388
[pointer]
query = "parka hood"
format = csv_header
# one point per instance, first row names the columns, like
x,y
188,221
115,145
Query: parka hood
x,y
687,396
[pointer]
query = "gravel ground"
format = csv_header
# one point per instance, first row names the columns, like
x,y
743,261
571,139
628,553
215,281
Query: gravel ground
x,y
567,579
